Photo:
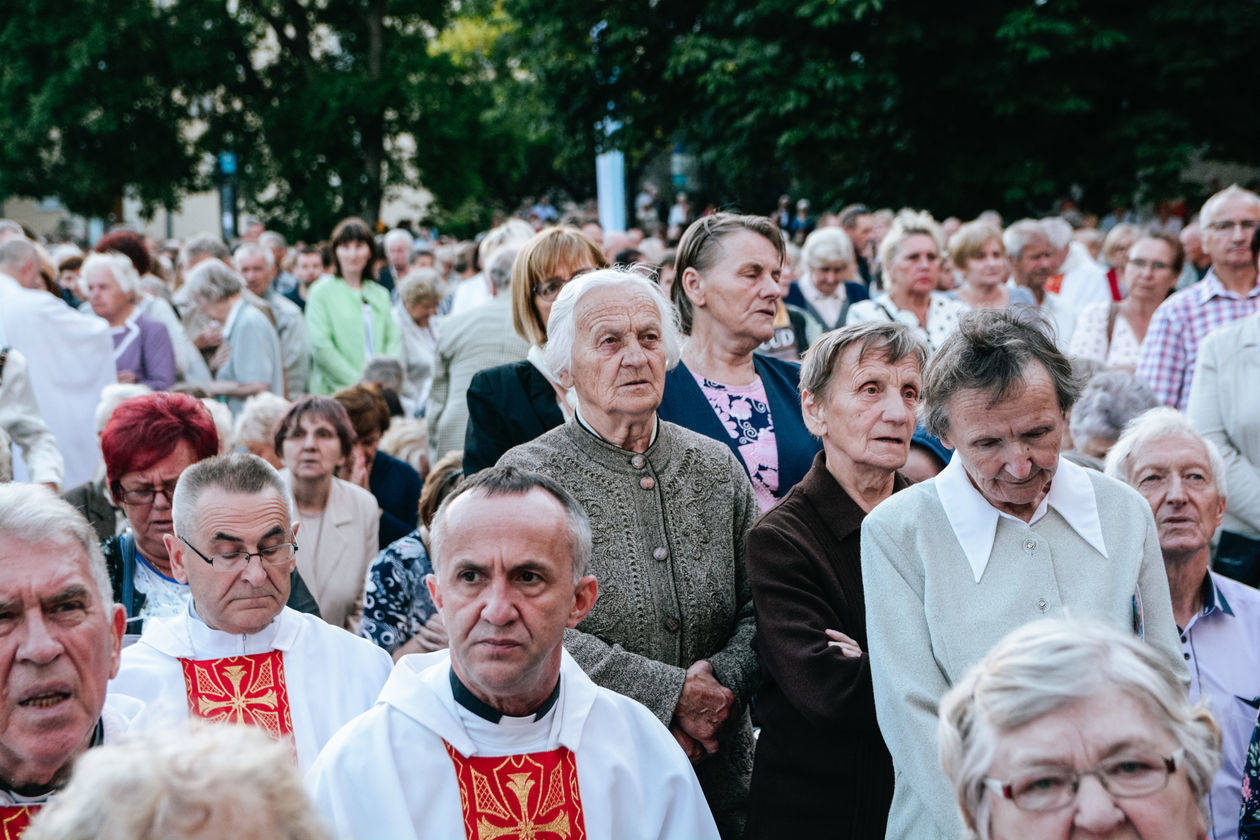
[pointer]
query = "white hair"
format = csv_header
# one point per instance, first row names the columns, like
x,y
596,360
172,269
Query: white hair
x,y
906,224
119,267
1213,205
222,417
1058,231
1049,665
33,515
113,394
259,417
827,244
398,234
253,249
214,281
1160,424
1018,236
562,323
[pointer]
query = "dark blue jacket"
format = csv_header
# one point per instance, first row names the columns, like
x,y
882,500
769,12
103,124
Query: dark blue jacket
x,y
853,291
685,404
507,405
396,486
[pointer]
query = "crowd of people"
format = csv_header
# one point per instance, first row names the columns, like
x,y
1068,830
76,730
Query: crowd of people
x,y
727,527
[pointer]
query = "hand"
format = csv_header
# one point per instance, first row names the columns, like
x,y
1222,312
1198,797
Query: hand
x,y
220,357
211,336
357,469
127,377
847,646
432,636
704,706
689,745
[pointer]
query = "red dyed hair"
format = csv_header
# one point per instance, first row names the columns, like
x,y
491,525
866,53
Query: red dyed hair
x,y
144,430
129,244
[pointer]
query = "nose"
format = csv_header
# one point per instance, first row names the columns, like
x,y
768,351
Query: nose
x,y
633,356
895,408
499,608
770,287
163,493
37,645
254,574
1176,494
1018,463
1096,809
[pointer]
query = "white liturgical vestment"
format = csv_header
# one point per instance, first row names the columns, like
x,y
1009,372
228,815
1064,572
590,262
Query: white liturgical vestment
x,y
321,676
401,769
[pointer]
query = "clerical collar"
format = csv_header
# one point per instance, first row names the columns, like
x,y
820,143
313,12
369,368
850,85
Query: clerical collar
x,y
474,704
37,795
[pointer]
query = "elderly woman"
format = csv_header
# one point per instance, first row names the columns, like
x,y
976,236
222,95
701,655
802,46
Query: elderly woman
x,y
1007,533
727,292
826,288
419,294
255,429
248,361
977,251
911,258
821,767
395,484
1112,332
1074,729
348,315
514,403
338,521
1107,403
142,347
1115,254
669,509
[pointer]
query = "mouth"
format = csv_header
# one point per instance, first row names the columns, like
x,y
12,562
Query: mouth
x,y
45,700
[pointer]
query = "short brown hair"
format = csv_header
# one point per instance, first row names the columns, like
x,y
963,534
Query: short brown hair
x,y
366,408
893,340
968,240
352,229
325,408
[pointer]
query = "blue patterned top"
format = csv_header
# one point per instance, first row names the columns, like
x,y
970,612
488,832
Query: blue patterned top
x,y
396,603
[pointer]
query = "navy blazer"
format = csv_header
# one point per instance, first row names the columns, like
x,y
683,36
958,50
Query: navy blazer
x,y
396,486
507,405
854,292
685,404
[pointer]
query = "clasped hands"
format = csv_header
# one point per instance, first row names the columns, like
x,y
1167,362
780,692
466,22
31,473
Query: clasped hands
x,y
703,709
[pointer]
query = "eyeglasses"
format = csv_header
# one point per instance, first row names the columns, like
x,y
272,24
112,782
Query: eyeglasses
x,y
1052,788
1225,226
1153,265
231,561
549,289
144,495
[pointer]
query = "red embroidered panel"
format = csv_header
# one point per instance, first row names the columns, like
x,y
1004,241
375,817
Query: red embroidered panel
x,y
14,819
240,689
533,796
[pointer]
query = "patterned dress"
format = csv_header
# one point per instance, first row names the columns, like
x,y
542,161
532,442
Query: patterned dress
x,y
396,602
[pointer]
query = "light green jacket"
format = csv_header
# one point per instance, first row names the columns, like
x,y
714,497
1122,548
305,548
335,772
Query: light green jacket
x,y
334,322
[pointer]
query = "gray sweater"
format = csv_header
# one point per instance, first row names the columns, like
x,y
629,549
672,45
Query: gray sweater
x,y
928,620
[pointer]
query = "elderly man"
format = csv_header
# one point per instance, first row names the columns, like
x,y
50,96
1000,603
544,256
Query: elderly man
x,y
237,654
1228,292
1079,280
504,735
279,248
398,244
59,641
1183,477
1033,263
257,266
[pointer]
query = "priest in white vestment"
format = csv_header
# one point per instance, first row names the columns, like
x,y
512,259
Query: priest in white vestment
x,y
504,735
238,654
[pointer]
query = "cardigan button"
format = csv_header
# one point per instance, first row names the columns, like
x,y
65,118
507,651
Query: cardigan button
x,y
1041,604
660,553
1029,545
672,625
638,462
647,482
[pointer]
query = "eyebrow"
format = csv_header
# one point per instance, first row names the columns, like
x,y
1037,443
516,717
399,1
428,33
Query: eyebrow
x,y
223,536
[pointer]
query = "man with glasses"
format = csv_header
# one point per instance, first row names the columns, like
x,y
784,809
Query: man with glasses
x,y
237,654
1228,292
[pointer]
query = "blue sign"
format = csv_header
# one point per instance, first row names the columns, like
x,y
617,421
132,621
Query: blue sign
x,y
227,163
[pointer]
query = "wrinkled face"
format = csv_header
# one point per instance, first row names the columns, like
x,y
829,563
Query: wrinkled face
x,y
618,362
1149,274
244,600
1227,239
313,450
257,273
1174,474
1036,263
59,646
988,268
309,267
867,415
106,296
828,276
915,267
505,590
1010,450
740,290
151,521
398,252
1110,726
353,256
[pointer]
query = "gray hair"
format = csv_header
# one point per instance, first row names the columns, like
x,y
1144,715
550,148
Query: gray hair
x,y
510,481
1107,403
991,351
1159,424
111,396
259,417
1213,205
827,244
384,370
201,246
906,224
499,268
1018,236
423,285
397,234
213,281
119,267
222,417
237,472
254,249
1046,666
16,252
511,234
562,323
893,341
271,239
1058,231
163,785
33,515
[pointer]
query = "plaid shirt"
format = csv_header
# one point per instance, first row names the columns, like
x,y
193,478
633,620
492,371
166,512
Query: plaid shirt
x,y
1179,326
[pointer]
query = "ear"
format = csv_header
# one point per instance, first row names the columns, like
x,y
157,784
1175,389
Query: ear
x,y
175,551
565,378
1220,512
692,286
584,596
435,590
815,418
117,626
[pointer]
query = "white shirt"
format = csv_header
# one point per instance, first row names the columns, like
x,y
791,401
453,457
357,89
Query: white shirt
x,y
974,520
828,306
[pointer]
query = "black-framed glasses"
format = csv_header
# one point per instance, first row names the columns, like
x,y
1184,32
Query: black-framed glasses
x,y
145,495
231,561
1052,788
549,289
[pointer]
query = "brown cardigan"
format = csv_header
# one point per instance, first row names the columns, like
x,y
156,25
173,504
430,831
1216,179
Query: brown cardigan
x,y
821,767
